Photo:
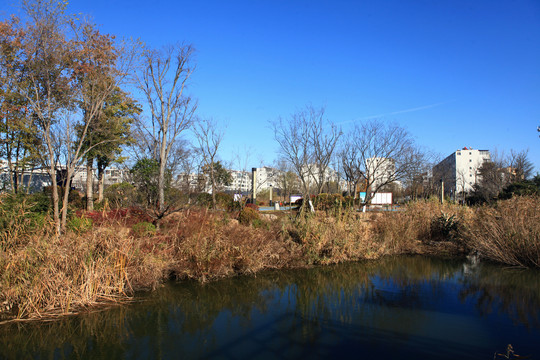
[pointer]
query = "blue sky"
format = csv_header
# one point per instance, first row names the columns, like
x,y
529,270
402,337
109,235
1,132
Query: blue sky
x,y
455,73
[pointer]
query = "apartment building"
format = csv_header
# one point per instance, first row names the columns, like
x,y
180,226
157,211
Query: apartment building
x,y
380,170
460,170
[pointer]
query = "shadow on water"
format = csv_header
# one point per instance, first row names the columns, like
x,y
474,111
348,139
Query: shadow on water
x,y
406,307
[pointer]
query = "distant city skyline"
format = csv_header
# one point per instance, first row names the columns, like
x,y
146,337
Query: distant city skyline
x,y
454,73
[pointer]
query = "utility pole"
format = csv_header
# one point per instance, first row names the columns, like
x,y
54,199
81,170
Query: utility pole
x,y
253,185
442,191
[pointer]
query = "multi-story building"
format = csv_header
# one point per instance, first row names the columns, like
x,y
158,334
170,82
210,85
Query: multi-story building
x,y
460,170
241,182
33,179
380,171
330,178
112,175
266,177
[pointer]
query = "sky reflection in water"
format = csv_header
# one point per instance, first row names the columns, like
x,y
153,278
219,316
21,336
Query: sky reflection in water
x,y
408,307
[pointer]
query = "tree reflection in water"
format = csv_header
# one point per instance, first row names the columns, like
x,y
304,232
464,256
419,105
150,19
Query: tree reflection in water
x,y
391,303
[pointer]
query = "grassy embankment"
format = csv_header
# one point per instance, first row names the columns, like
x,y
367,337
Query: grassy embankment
x,y
118,253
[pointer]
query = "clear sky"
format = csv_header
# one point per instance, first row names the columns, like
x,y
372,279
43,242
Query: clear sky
x,y
455,73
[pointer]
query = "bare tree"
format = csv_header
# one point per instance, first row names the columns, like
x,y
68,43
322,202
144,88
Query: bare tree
x,y
501,171
286,179
415,179
241,161
520,165
209,138
163,81
351,164
187,165
382,154
307,141
324,137
492,178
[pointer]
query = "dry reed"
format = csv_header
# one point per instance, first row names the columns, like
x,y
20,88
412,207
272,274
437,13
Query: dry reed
x,y
42,275
508,232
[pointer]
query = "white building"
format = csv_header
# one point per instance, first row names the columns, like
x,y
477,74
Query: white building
x,y
460,170
34,178
241,182
267,177
380,170
112,175
312,175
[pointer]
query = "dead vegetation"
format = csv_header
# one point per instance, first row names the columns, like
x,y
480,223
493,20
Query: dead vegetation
x,y
108,256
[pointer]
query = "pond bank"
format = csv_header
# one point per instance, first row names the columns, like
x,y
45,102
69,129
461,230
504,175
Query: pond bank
x,y
44,276
411,307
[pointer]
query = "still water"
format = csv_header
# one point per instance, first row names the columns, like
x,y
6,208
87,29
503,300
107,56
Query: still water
x,y
398,308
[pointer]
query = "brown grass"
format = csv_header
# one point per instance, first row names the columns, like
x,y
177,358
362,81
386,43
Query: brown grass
x,y
408,231
45,276
508,232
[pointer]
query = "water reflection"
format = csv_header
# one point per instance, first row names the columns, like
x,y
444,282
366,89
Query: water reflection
x,y
400,307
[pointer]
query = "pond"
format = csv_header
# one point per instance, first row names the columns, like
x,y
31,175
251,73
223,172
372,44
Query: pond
x,y
404,307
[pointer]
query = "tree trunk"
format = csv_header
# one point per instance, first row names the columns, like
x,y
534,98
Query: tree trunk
x,y
54,184
65,200
161,187
12,175
101,183
89,185
29,181
55,199
212,178
161,179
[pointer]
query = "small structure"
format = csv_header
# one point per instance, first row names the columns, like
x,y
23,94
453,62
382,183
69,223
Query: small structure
x,y
381,199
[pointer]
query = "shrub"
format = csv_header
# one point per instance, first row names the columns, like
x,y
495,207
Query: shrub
x,y
79,225
143,229
445,227
252,206
120,195
521,188
235,206
42,202
247,216
224,201
348,201
21,216
329,202
75,199
204,199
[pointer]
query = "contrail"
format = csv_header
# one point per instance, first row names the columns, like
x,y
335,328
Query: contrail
x,y
397,112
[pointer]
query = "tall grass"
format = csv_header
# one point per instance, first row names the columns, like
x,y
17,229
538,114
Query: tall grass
x,y
508,232
118,253
421,223
328,239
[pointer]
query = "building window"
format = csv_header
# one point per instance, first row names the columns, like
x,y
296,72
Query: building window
x,y
470,160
